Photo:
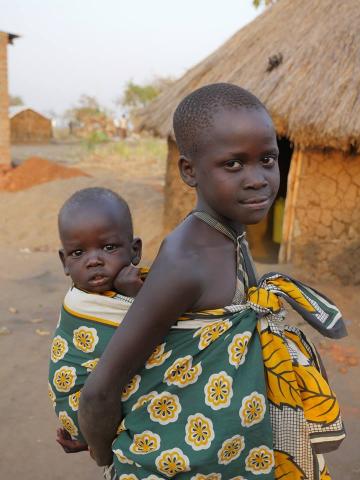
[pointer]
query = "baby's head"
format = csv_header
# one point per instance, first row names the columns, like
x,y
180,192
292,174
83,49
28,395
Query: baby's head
x,y
228,152
96,234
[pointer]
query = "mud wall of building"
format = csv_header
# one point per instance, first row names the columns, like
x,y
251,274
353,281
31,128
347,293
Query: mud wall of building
x,y
30,127
326,230
179,198
4,102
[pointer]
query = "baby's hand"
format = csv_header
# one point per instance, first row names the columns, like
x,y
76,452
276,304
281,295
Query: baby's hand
x,y
68,444
128,281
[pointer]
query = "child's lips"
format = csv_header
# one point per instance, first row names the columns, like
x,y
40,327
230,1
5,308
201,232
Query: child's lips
x,y
256,203
97,280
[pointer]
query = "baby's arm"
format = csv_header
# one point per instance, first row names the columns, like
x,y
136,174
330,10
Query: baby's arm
x,y
128,281
172,287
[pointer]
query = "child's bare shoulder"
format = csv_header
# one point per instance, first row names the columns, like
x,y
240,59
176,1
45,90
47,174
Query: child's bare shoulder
x,y
183,247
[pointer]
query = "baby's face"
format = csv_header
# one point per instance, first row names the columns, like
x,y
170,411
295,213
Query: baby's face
x,y
96,246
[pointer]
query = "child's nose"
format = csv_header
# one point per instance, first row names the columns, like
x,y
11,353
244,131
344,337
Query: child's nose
x,y
94,259
255,178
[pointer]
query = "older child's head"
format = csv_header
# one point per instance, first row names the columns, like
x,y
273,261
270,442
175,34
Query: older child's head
x,y
228,152
96,233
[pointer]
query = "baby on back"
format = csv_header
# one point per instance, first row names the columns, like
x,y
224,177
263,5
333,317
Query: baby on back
x,y
98,252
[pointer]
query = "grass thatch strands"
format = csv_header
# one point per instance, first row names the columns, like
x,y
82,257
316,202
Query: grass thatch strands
x,y
313,93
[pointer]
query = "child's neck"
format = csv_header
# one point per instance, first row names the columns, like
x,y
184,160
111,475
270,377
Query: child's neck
x,y
237,227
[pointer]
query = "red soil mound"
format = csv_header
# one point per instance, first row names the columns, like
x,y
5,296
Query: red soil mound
x,y
33,171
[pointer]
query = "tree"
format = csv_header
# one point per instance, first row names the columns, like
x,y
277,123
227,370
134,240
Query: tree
x,y
267,3
15,101
137,96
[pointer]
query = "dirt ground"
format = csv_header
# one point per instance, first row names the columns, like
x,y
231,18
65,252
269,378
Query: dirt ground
x,y
32,289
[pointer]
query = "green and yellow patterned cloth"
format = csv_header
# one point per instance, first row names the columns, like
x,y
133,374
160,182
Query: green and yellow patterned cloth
x,y
86,324
232,393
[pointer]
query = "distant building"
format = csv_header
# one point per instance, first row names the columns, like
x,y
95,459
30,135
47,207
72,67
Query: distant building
x,y
5,39
29,126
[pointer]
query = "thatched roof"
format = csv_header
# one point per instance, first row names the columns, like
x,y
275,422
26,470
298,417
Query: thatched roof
x,y
313,94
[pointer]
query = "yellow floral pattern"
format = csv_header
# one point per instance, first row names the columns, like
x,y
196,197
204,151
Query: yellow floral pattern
x,y
143,400
218,391
121,427
68,423
131,388
158,356
85,339
164,408
59,347
210,476
90,364
211,332
231,449
64,379
238,348
122,458
199,432
153,477
253,409
51,395
129,476
181,373
74,400
260,460
145,442
172,462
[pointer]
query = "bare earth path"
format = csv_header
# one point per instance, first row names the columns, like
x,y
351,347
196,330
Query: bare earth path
x,y
32,288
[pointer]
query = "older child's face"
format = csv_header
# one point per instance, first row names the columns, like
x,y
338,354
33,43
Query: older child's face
x,y
96,246
236,172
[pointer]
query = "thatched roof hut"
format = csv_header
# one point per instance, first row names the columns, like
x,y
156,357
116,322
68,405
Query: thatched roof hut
x,y
313,94
29,126
302,59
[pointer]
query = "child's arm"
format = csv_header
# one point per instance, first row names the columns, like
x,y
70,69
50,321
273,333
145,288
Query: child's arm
x,y
69,445
172,287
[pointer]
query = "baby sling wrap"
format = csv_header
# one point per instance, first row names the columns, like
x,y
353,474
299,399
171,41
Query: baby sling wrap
x,y
234,393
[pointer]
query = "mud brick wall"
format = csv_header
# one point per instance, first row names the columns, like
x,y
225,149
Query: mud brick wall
x,y
326,235
4,102
179,198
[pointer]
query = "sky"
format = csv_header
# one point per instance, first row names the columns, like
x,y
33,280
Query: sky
x,y
73,47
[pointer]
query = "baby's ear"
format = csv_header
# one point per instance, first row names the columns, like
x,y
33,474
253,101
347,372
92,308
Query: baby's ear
x,y
62,258
136,248
187,171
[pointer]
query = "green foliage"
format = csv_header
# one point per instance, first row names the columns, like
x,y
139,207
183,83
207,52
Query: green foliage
x,y
15,101
137,96
267,3
96,138
86,106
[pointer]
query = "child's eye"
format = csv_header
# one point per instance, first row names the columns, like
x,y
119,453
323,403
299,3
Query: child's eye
x,y
269,161
233,165
76,253
109,248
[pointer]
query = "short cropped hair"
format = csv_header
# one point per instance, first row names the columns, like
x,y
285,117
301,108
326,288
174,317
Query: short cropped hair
x,y
194,115
94,196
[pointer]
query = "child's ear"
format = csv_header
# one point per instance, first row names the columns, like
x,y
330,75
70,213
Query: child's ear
x,y
187,171
62,258
136,248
